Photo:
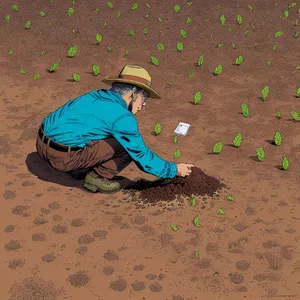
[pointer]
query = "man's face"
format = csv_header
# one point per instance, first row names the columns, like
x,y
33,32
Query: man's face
x,y
139,102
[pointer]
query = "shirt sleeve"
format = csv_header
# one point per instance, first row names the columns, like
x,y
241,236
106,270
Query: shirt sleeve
x,y
125,131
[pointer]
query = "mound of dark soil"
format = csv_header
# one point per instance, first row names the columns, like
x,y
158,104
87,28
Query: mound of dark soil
x,y
197,184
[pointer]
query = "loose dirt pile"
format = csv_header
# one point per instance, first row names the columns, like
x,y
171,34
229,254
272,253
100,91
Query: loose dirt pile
x,y
198,183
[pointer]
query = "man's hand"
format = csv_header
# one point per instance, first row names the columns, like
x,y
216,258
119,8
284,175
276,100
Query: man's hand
x,y
184,169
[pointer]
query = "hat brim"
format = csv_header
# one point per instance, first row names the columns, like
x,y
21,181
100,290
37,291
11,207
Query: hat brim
x,y
153,94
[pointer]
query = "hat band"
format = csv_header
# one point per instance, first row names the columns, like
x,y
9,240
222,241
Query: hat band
x,y
136,78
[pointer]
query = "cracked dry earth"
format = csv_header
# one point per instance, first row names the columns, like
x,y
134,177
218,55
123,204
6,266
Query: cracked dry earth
x,y
61,242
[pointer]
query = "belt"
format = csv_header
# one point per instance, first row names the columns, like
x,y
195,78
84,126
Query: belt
x,y
54,145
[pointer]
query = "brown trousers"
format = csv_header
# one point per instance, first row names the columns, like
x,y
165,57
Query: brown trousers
x,y
104,157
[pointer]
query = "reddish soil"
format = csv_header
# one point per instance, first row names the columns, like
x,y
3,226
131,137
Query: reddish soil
x,y
61,242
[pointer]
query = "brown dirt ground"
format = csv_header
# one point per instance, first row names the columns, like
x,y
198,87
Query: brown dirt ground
x,y
91,246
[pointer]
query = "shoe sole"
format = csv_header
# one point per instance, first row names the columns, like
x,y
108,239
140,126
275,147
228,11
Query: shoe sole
x,y
94,189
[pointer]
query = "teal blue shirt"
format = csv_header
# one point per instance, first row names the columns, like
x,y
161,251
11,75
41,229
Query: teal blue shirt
x,y
104,114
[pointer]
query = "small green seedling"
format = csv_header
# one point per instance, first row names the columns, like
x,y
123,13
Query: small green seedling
x,y
108,48
197,255
277,138
200,61
15,7
189,3
274,47
42,53
70,11
174,227
260,153
295,115
188,20
27,25
218,147
161,47
278,115
220,211
96,70
286,14
278,34
134,6
193,201
191,75
43,14
176,154
126,52
230,198
197,97
246,33
154,60
118,15
298,68
296,35
177,8
160,20
219,45
239,60
22,71
233,45
222,20
76,77
72,51
74,2
53,67
218,69
7,18
238,140
196,221
110,5
179,46
183,33
170,83
131,32
36,76
145,31
296,22
250,7
229,29
74,30
239,19
268,63
98,38
292,5
265,92
157,128
148,5
10,52
245,110
298,93
175,139
285,163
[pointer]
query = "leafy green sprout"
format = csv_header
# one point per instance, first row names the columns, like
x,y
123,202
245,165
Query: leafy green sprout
x,y
188,20
22,71
200,61
72,51
174,227
277,138
274,47
237,140
250,8
179,46
161,47
157,128
10,52
177,8
15,7
230,198
193,201
217,148
260,153
191,75
36,76
27,25
7,18
222,20
160,19
175,139
154,60
218,69
278,115
131,32
298,93
245,110
134,6
239,60
239,19
43,14
265,92
295,115
118,15
285,163
177,153
76,77
197,97
296,35
110,5
196,221
96,70
145,31
278,34
183,33
233,45
53,67
70,12
220,211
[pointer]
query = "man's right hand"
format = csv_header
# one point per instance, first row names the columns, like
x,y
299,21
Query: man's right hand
x,y
184,169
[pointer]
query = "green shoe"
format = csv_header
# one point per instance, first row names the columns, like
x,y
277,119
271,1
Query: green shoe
x,y
101,184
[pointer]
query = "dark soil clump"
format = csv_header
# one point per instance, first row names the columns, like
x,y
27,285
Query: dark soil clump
x,y
118,285
79,278
198,183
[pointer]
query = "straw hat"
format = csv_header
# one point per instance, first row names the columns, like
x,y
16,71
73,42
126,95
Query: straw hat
x,y
136,75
